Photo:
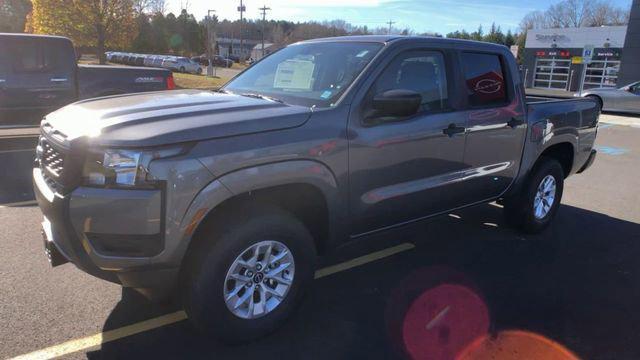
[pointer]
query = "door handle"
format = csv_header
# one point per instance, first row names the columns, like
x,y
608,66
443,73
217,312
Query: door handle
x,y
514,123
452,129
59,80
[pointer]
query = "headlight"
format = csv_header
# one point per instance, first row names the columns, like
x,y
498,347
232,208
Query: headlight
x,y
123,167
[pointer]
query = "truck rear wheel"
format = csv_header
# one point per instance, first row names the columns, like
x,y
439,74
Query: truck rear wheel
x,y
535,207
250,275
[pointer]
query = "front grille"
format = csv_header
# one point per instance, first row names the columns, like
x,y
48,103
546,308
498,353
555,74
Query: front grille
x,y
52,159
52,163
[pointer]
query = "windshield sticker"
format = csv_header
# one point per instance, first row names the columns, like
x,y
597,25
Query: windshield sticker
x,y
362,53
326,94
294,74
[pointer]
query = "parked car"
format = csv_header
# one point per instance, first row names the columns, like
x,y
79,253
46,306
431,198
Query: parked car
x,y
227,197
182,64
139,60
625,99
148,60
39,74
116,57
217,61
157,61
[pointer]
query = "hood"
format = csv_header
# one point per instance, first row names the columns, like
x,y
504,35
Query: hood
x,y
168,117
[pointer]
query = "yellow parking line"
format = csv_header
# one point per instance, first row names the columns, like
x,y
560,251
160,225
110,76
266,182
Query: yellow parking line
x,y
330,270
103,337
87,342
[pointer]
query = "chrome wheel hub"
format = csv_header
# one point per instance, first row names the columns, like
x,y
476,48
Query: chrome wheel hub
x,y
259,279
545,197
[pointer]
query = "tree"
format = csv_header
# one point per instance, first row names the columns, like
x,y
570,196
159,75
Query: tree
x,y
509,39
576,13
478,35
94,23
13,14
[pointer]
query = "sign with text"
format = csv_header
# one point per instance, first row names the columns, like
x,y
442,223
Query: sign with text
x,y
294,74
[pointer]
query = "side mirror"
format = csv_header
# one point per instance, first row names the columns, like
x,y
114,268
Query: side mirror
x,y
398,102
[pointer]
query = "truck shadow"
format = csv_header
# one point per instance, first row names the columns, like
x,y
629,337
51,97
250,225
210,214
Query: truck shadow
x,y
578,283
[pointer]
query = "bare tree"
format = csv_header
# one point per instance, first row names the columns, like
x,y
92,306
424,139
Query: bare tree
x,y
576,13
158,7
149,6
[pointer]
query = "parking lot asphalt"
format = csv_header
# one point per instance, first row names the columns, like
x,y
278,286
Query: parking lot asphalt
x,y
578,283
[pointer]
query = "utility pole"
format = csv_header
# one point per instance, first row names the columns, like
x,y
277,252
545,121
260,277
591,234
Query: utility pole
x,y
211,38
390,24
241,9
264,9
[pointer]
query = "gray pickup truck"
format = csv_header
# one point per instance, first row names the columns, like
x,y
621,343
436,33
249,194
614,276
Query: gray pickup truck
x,y
226,198
39,74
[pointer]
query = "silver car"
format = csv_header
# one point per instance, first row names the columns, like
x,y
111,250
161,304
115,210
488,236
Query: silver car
x,y
624,99
182,64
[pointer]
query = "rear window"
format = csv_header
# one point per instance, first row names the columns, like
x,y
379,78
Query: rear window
x,y
485,79
40,55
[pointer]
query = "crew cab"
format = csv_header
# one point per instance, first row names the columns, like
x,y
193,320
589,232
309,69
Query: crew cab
x,y
225,198
39,74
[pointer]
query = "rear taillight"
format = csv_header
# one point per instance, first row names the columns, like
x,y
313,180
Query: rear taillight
x,y
170,83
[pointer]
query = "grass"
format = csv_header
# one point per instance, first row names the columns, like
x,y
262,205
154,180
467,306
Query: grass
x,y
189,81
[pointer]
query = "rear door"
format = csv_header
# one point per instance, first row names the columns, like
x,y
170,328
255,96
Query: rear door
x,y
495,124
40,78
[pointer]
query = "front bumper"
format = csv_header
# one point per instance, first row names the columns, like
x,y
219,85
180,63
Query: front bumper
x,y
106,232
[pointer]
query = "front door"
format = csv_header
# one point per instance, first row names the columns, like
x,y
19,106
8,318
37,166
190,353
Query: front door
x,y
403,169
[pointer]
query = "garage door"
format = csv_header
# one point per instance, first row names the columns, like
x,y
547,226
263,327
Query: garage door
x,y
601,73
551,73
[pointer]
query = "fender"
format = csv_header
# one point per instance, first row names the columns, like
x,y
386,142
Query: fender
x,y
533,149
262,177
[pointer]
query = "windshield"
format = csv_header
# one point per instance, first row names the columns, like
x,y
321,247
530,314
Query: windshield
x,y
313,74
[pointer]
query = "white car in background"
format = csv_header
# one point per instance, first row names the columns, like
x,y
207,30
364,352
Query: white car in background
x,y
182,64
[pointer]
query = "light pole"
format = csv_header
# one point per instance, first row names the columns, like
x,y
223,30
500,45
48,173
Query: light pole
x,y
211,70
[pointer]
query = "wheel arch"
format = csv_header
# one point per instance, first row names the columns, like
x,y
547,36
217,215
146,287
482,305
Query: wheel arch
x,y
307,189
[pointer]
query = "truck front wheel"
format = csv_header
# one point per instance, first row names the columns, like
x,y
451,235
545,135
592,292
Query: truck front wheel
x,y
250,275
535,207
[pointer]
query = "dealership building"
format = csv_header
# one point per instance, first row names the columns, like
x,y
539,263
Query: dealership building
x,y
552,58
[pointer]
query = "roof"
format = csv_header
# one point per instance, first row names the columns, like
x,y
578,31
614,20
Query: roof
x,y
398,38
33,36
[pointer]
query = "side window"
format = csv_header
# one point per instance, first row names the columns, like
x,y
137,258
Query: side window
x,y
419,71
26,56
484,78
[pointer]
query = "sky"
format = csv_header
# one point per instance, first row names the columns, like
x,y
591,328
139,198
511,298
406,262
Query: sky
x,y
439,16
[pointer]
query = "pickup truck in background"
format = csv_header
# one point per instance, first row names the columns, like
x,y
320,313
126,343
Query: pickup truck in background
x,y
39,74
225,198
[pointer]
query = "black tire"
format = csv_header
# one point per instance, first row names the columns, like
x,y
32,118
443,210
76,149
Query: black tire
x,y
598,101
226,239
199,71
182,69
519,209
